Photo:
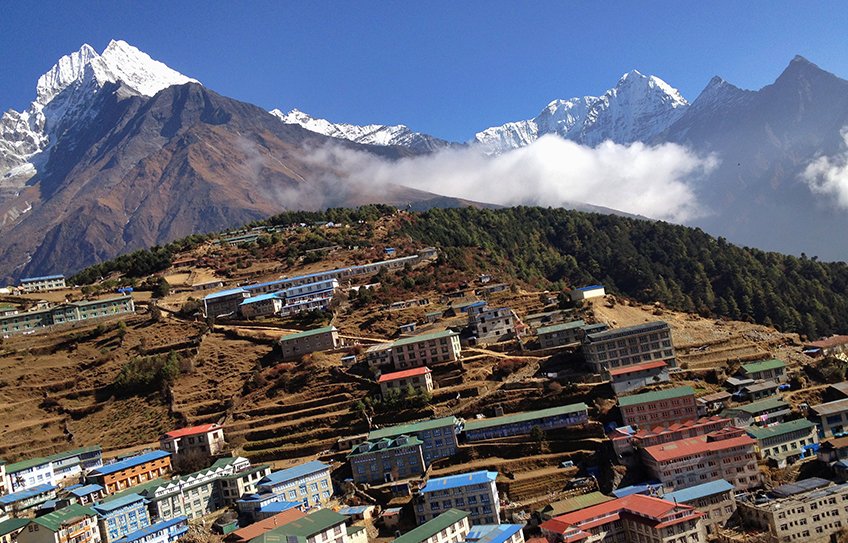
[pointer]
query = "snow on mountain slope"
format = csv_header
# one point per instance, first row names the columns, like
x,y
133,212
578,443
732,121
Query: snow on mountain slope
x,y
64,96
638,108
372,134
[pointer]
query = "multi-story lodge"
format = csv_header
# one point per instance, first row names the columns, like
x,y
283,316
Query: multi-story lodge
x,y
23,501
425,349
494,324
523,423
66,314
194,495
308,484
785,442
716,499
438,436
309,341
766,411
632,519
71,524
121,516
204,441
387,459
726,454
131,471
398,382
474,492
810,510
620,347
659,408
557,335
43,284
452,526
626,440
53,469
166,531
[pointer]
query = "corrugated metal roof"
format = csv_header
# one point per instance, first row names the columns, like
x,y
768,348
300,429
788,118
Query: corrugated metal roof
x,y
290,474
457,481
763,365
699,491
478,424
130,462
432,527
656,396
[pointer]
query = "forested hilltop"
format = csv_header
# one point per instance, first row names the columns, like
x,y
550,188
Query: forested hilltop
x,y
681,267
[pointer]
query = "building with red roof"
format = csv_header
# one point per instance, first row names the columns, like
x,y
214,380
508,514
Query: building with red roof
x,y
630,519
243,535
196,442
636,376
626,440
420,379
724,454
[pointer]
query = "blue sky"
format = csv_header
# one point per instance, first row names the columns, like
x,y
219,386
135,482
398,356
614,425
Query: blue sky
x,y
443,67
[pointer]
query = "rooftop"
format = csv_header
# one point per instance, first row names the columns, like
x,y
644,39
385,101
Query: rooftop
x,y
432,527
769,404
395,375
12,525
424,337
112,505
799,487
492,533
827,343
576,503
560,327
266,525
644,366
590,287
55,520
385,444
305,527
130,462
84,490
308,333
225,293
639,504
457,481
763,365
291,474
412,428
152,529
32,462
42,278
24,494
780,429
824,409
656,396
191,431
629,330
694,445
699,491
526,416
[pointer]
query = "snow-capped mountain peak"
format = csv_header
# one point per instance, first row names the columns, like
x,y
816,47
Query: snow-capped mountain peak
x,y
370,134
636,109
64,97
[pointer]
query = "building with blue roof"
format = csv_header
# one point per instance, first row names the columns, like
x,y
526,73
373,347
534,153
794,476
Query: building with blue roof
x,y
121,516
43,284
24,500
131,471
308,484
495,533
167,531
473,492
584,293
716,499
85,494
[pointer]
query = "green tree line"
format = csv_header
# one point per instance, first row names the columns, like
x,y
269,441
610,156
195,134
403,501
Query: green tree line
x,y
682,267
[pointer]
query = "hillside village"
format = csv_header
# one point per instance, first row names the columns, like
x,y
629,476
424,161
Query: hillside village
x,y
333,381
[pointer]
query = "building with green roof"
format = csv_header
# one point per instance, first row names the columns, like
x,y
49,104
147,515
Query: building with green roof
x,y
52,469
56,526
767,411
773,369
576,503
309,341
523,423
438,436
321,525
10,528
452,525
785,442
659,407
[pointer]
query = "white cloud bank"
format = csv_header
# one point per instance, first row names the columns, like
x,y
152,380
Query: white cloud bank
x,y
651,181
828,176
